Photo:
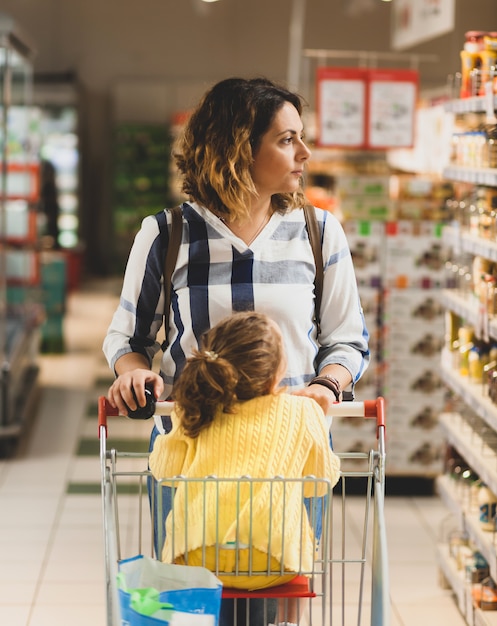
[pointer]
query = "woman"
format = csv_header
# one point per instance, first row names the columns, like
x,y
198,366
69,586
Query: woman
x,y
244,247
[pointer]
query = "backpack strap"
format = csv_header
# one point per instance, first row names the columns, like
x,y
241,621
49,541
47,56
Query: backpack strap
x,y
169,265
175,242
315,241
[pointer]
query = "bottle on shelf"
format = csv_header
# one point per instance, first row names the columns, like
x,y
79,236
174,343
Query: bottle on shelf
x,y
470,61
487,504
491,146
488,57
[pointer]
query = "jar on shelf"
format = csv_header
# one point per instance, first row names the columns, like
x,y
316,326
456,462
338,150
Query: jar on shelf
x,y
475,364
465,337
488,600
477,568
479,148
471,62
492,384
488,58
491,147
491,293
459,548
487,504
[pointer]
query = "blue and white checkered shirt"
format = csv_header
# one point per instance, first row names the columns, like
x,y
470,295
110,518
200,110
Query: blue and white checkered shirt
x,y
217,273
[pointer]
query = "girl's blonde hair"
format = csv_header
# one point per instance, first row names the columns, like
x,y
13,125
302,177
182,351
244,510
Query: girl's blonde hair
x,y
216,152
239,359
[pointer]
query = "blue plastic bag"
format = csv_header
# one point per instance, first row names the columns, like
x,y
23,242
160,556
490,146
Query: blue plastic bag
x,y
193,592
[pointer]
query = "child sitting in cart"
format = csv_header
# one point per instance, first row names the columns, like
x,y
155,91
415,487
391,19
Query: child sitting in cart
x,y
232,419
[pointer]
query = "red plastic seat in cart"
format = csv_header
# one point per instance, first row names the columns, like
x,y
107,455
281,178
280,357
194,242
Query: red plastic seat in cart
x,y
349,555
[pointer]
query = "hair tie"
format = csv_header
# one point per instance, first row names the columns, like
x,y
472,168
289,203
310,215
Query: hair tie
x,y
211,356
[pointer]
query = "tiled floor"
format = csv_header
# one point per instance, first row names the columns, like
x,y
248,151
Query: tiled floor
x,y
51,533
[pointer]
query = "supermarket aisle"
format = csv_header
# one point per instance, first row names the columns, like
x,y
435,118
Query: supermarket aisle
x,y
51,568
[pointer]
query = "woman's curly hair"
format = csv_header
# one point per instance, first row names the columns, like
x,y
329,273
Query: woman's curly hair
x,y
216,151
238,360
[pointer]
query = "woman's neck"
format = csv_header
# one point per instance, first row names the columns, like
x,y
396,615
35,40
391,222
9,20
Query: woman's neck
x,y
249,229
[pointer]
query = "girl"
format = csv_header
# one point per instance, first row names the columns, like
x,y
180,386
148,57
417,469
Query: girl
x,y
231,419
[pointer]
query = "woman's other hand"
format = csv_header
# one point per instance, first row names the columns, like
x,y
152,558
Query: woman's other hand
x,y
323,396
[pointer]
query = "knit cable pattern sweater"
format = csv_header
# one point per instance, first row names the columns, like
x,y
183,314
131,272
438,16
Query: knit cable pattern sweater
x,y
273,435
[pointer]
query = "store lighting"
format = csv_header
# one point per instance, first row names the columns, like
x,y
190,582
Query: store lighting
x,y
209,0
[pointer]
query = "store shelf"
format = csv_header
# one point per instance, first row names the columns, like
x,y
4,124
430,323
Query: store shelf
x,y
466,306
454,577
472,393
485,542
462,241
476,104
19,258
473,447
485,618
451,498
473,175
474,437
461,589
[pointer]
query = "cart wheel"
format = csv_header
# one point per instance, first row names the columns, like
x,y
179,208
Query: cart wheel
x,y
8,447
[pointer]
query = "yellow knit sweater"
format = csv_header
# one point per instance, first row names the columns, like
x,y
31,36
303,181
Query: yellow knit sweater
x,y
273,435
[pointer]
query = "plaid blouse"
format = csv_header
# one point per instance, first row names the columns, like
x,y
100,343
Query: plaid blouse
x,y
217,273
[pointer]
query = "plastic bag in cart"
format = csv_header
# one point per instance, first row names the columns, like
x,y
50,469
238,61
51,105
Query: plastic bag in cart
x,y
194,593
146,609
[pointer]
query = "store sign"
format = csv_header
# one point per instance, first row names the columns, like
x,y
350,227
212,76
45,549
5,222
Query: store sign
x,y
341,106
392,106
415,21
366,108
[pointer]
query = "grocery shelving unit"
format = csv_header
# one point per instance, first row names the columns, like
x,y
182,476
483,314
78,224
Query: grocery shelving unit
x,y
20,313
473,436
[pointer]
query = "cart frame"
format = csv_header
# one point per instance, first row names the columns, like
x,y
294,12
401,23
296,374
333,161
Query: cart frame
x,y
373,544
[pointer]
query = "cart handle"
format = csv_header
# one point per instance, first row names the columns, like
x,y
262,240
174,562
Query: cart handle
x,y
369,409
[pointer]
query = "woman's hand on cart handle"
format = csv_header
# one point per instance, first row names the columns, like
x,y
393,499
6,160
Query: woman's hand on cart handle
x,y
326,388
105,409
127,393
323,396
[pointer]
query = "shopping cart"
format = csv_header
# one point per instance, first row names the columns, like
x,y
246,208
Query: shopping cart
x,y
350,557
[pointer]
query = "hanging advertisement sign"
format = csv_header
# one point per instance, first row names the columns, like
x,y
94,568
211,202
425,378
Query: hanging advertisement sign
x,y
366,109
415,21
341,107
392,96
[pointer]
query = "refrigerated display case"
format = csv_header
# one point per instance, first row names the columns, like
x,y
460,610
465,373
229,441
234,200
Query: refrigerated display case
x,y
20,312
56,109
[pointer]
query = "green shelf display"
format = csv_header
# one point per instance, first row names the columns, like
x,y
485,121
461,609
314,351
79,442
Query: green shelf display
x,y
141,183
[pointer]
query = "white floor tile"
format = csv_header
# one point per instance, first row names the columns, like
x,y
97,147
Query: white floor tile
x,y
441,611
16,614
17,593
86,611
68,594
18,571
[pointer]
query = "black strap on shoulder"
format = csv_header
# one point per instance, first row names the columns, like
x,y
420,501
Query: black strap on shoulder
x,y
315,241
169,265
175,242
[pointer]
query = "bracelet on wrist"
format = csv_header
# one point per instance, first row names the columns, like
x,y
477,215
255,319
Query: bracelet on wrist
x,y
330,383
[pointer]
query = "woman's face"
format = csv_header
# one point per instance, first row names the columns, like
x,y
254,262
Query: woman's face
x,y
282,154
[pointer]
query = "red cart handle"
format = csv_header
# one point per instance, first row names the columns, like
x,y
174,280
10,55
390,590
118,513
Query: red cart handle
x,y
369,409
